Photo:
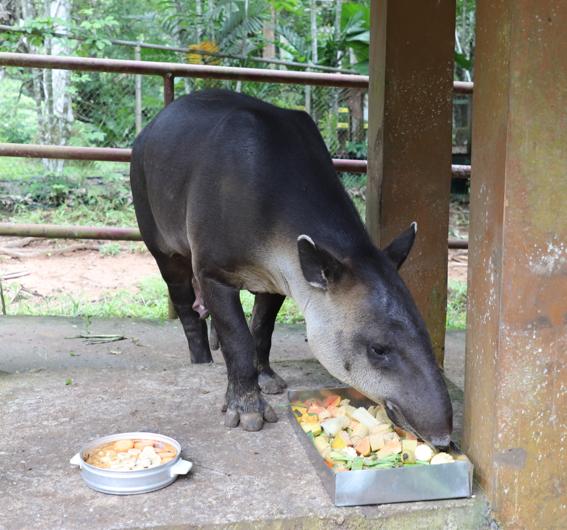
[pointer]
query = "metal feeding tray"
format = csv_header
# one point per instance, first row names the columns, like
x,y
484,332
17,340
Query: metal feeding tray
x,y
381,486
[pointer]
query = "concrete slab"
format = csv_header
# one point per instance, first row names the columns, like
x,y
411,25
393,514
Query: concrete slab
x,y
240,480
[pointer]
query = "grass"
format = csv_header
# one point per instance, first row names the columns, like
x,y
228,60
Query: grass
x,y
150,301
456,304
73,200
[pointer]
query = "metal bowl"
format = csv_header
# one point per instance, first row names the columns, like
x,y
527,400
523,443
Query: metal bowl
x,y
131,482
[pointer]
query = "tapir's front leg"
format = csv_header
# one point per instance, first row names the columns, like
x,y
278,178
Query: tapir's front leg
x,y
244,403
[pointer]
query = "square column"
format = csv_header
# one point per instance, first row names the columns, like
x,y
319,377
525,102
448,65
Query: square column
x,y
516,382
409,142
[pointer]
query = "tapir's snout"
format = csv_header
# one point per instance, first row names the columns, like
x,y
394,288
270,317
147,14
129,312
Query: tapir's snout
x,y
428,413
441,442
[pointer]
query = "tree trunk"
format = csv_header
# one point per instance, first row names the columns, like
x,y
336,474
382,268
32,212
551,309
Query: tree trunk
x,y
269,30
50,87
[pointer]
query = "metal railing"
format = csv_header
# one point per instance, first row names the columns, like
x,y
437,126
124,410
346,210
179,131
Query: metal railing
x,y
169,71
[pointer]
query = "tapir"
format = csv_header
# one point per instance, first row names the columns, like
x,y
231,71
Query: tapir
x,y
233,193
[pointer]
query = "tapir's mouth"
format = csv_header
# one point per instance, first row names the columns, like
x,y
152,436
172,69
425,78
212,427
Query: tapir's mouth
x,y
397,416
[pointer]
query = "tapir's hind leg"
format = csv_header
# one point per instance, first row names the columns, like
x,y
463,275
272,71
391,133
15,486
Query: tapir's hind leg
x,y
266,307
177,273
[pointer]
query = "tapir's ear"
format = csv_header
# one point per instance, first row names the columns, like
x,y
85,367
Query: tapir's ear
x,y
320,268
399,249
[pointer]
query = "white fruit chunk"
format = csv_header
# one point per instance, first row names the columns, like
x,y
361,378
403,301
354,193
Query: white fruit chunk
x,y
442,458
423,452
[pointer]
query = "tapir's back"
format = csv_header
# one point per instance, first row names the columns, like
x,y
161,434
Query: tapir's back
x,y
218,162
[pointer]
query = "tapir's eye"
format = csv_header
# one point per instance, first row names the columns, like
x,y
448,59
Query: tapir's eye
x,y
378,350
378,355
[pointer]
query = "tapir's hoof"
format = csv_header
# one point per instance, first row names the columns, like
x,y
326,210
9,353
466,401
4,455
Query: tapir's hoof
x,y
249,412
201,357
270,382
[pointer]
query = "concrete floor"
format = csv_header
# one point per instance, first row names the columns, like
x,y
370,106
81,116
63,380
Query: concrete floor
x,y
146,382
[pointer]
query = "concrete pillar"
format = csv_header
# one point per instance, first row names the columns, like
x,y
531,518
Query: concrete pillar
x,y
516,382
409,142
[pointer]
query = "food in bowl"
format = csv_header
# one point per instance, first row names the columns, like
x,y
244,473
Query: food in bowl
x,y
355,438
130,454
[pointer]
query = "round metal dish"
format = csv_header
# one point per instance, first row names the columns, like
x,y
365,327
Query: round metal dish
x,y
131,482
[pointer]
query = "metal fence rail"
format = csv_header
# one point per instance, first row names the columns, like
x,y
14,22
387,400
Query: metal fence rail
x,y
168,71
91,64
115,154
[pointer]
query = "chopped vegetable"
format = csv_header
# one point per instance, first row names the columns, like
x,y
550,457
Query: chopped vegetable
x,y
351,438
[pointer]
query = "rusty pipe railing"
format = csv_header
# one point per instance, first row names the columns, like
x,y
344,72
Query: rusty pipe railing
x,y
110,233
91,64
113,154
168,71
50,231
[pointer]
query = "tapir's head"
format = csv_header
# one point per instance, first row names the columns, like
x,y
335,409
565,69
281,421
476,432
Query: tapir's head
x,y
364,327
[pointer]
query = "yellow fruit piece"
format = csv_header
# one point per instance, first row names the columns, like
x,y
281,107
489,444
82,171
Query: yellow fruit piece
x,y
338,442
315,428
408,451
297,408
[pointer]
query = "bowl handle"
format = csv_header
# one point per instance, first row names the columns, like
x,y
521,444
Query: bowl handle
x,y
182,467
76,460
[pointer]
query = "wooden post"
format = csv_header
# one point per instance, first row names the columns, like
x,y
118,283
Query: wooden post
x,y
409,142
516,377
168,97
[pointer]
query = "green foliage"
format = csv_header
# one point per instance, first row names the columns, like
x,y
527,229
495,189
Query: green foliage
x,y
355,30
456,304
18,121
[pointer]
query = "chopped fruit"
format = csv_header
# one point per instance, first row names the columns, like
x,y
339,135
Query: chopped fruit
x,y
315,409
442,458
364,417
423,452
408,451
356,438
299,411
380,429
376,441
391,447
333,425
345,436
363,447
314,428
359,432
338,442
331,401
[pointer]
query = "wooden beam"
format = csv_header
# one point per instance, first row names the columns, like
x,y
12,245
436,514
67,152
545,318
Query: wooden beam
x,y
516,380
409,142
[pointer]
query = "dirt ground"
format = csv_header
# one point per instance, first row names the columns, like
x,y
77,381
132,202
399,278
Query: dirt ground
x,y
91,273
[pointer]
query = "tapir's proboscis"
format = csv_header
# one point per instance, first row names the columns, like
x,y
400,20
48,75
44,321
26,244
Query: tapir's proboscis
x,y
232,193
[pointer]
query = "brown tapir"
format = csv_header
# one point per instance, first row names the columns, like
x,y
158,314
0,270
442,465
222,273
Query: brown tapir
x,y
233,193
